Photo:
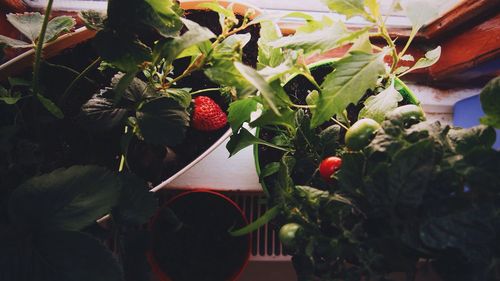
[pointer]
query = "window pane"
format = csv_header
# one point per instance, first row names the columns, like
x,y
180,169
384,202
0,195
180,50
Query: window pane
x,y
314,7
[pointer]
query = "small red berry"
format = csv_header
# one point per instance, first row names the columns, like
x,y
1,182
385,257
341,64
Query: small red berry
x,y
207,115
329,166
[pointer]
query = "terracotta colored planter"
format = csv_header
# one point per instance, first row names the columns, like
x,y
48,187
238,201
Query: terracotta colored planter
x,y
195,242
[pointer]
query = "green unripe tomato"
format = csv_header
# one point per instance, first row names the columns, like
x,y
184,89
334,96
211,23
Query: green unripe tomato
x,y
409,113
361,133
288,234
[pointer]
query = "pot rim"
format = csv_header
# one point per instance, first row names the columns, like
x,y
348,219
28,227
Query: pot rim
x,y
20,62
150,257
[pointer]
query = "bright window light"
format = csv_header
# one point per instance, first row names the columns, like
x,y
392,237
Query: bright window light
x,y
282,7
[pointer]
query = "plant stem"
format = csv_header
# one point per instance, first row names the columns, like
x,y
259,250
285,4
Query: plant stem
x,y
78,78
340,123
39,48
276,147
204,90
410,39
387,37
197,64
303,106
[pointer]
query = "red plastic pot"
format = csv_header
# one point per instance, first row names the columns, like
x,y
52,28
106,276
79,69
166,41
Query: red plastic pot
x,y
196,242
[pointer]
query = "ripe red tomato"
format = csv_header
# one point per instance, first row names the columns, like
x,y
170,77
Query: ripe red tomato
x,y
329,166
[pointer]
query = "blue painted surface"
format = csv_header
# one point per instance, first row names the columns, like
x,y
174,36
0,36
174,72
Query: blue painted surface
x,y
467,112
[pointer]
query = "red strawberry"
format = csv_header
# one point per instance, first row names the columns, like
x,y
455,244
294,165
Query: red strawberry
x,y
207,115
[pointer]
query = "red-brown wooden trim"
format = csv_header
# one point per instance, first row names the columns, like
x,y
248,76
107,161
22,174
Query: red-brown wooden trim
x,y
468,49
463,13
14,6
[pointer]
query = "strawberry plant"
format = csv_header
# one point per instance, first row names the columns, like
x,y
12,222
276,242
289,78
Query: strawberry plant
x,y
84,132
407,190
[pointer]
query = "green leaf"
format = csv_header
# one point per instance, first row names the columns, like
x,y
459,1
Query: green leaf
x,y
136,203
14,43
407,57
30,24
269,93
57,26
135,91
329,139
321,40
214,6
123,82
466,140
268,56
50,106
171,48
17,81
182,96
162,121
133,15
349,8
76,256
362,44
8,97
221,69
244,139
421,12
122,49
288,66
65,199
102,114
374,8
353,76
256,224
490,101
400,70
430,58
468,231
239,112
410,171
270,169
268,117
93,19
312,25
299,15
377,106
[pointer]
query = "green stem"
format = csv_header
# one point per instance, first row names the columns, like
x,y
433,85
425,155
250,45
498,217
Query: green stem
x,y
276,146
39,48
197,64
265,218
122,157
410,39
79,77
340,123
387,37
303,106
204,91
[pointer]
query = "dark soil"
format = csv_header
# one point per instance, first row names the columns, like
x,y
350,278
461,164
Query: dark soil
x,y
194,244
